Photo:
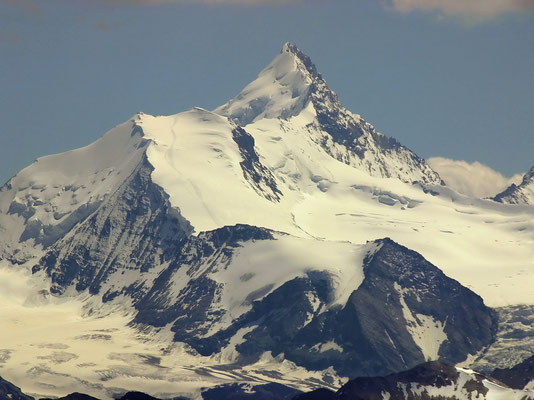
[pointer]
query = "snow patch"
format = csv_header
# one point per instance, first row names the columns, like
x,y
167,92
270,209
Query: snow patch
x,y
427,332
323,347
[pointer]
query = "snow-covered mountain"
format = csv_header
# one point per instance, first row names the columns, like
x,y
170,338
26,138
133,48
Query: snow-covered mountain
x,y
292,87
265,236
519,194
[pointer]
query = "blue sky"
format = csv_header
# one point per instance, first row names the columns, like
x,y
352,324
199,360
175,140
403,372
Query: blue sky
x,y
448,80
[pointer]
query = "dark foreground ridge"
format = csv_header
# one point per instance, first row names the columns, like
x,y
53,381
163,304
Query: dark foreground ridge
x,y
420,383
8,391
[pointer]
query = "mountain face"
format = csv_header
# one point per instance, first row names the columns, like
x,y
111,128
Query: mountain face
x,y
135,228
389,309
405,311
260,234
432,380
519,194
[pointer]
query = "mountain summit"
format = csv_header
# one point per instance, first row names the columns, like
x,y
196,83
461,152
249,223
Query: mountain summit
x,y
291,89
282,90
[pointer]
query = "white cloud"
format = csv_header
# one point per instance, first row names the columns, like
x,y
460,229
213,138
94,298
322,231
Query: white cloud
x,y
472,179
466,8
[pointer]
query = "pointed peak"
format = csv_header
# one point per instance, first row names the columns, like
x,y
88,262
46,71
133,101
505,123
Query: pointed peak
x,y
304,59
282,90
289,48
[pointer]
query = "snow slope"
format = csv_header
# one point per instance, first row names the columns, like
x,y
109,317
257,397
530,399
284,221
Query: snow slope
x,y
484,245
52,346
197,161
260,268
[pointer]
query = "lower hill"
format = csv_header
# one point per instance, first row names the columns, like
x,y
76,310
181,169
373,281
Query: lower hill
x,y
432,380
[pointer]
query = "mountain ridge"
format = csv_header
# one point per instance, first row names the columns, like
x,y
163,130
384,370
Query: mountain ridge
x,y
291,85
522,193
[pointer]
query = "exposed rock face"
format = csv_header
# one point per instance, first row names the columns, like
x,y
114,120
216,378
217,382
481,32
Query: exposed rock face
x,y
134,230
269,391
318,394
138,396
191,310
8,391
405,311
432,374
402,299
407,306
260,177
519,194
518,376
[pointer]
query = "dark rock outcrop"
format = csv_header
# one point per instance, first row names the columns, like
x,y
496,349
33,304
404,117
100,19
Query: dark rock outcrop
x,y
8,391
428,381
137,396
518,376
269,391
317,394
74,396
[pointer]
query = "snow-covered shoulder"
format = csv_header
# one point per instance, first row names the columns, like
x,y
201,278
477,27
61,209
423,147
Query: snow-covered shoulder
x,y
261,267
48,197
212,172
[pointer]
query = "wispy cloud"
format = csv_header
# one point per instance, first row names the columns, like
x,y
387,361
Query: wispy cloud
x,y
472,179
466,8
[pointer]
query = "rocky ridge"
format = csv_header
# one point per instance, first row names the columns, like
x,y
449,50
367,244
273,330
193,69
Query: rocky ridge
x,y
519,194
